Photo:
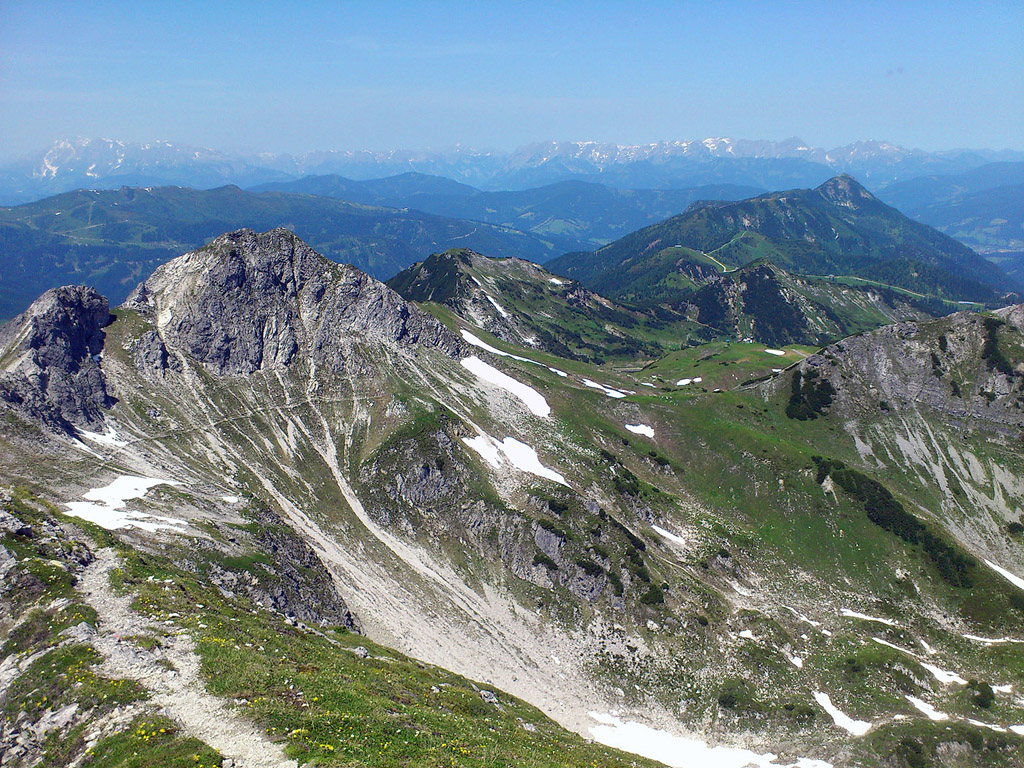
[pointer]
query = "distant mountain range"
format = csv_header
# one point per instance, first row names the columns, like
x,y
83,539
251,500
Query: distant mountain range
x,y
681,241
982,207
581,210
105,163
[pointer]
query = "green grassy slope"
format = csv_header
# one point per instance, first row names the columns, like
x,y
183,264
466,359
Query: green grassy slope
x,y
838,228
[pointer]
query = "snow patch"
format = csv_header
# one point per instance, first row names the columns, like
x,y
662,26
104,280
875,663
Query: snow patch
x,y
488,448
556,281
1017,581
531,398
641,429
687,382
230,499
986,725
746,634
943,676
776,352
669,535
607,390
802,618
926,708
844,721
855,615
886,643
563,374
110,437
106,506
497,306
992,640
682,752
520,455
477,342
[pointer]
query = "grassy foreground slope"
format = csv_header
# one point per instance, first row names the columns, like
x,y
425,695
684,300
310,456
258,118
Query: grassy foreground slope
x,y
325,696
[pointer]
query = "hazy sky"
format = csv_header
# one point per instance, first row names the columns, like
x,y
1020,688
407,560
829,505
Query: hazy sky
x,y
293,77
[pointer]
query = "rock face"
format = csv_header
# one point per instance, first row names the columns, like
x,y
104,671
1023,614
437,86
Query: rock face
x,y
50,359
294,580
961,366
249,302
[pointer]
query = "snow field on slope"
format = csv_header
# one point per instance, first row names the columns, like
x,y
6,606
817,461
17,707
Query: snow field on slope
x,y
497,306
607,390
478,342
109,438
641,429
106,506
520,455
922,706
840,718
1017,581
669,535
531,398
682,752
855,615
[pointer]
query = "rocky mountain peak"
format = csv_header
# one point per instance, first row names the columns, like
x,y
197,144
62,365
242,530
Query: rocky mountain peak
x,y
844,190
254,301
49,358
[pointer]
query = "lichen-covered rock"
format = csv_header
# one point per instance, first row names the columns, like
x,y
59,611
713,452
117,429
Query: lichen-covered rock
x,y
50,357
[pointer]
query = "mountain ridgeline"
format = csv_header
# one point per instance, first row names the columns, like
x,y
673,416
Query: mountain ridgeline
x,y
838,230
108,164
113,239
521,303
590,213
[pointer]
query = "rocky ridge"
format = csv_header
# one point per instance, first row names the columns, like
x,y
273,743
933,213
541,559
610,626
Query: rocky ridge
x,y
952,366
49,359
250,302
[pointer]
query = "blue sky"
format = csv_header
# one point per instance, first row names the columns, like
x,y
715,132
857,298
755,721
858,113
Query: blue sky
x,y
294,77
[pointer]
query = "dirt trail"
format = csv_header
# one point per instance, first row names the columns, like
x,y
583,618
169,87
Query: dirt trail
x,y
180,693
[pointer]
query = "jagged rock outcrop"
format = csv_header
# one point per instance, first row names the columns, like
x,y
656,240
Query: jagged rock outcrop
x,y
250,302
50,358
292,579
956,365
